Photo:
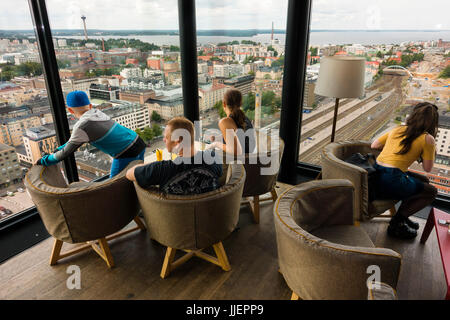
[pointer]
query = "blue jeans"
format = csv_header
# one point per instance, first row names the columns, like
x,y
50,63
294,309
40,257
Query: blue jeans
x,y
119,164
393,183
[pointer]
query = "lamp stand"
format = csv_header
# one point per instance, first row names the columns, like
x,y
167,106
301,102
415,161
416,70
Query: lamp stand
x,y
333,130
334,119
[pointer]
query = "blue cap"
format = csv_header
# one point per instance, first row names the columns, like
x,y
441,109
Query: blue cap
x,y
77,99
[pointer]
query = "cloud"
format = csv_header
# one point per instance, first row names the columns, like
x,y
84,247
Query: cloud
x,y
231,14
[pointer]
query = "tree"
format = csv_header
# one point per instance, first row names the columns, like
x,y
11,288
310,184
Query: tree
x,y
155,116
157,130
268,98
445,73
314,51
219,107
248,102
267,77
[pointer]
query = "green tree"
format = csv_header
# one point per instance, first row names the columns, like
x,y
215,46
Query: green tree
x,y
156,116
445,73
157,130
314,51
219,107
248,102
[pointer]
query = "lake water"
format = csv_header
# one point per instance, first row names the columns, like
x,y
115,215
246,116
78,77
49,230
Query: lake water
x,y
316,38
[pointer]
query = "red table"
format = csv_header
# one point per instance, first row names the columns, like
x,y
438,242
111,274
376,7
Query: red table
x,y
443,239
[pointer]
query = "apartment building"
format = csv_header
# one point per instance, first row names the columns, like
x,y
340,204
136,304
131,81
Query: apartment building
x,y
10,170
12,129
210,94
167,106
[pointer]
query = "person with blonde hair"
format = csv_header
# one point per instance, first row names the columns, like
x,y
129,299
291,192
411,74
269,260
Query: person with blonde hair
x,y
190,173
400,147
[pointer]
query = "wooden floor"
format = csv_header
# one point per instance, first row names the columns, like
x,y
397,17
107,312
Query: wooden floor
x,y
251,251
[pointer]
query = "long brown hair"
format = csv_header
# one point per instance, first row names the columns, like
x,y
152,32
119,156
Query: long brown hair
x,y
233,99
424,118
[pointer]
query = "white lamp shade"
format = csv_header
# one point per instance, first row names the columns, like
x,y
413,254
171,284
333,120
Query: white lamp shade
x,y
341,77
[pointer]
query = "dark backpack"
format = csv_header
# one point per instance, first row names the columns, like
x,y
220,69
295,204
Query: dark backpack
x,y
366,162
192,181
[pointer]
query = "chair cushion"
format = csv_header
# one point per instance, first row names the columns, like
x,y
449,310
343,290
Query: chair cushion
x,y
347,235
379,206
381,291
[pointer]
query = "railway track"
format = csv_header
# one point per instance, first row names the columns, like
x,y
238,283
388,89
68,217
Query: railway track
x,y
360,128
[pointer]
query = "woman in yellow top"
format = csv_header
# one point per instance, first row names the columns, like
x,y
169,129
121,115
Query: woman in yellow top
x,y
400,148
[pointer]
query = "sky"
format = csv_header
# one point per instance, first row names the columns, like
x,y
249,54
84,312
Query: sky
x,y
232,14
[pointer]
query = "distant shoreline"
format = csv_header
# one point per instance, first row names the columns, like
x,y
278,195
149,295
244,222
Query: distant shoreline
x,y
229,33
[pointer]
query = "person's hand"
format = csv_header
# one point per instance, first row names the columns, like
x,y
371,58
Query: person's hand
x,y
46,160
214,145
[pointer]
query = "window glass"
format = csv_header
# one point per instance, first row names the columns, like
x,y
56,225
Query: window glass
x,y
125,56
406,62
23,105
241,48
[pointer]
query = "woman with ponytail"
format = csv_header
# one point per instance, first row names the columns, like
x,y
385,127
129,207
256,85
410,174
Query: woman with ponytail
x,y
400,148
235,142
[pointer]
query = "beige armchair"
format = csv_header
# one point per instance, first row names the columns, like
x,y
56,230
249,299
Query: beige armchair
x,y
258,182
334,167
91,212
321,253
193,223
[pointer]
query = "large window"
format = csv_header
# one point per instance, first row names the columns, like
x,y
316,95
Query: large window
x,y
24,107
242,48
402,68
126,57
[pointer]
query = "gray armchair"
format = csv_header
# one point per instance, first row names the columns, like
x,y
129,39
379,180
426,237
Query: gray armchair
x,y
334,167
259,182
83,211
195,222
321,253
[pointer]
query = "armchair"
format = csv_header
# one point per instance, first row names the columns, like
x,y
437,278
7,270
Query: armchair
x,y
321,253
195,222
334,167
83,211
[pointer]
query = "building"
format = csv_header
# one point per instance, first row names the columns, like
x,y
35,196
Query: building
x,y
129,114
152,83
210,95
10,170
222,70
103,92
241,83
140,96
443,139
69,85
131,73
154,63
36,141
12,129
167,107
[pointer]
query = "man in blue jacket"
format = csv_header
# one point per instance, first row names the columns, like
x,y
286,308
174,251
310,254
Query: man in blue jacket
x,y
96,128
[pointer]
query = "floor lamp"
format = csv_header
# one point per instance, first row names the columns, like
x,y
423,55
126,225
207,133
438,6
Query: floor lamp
x,y
340,77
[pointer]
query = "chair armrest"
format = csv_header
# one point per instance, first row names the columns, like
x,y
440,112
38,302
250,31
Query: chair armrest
x,y
381,291
335,168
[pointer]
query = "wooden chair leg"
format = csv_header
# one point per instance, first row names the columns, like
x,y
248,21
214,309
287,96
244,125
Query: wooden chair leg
x,y
170,255
255,208
294,296
274,194
392,211
104,252
57,246
139,223
222,256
